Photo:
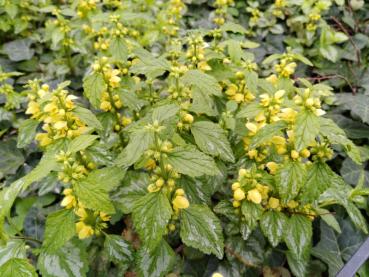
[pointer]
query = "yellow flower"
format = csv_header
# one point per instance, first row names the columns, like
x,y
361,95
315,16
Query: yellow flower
x,y
81,212
69,202
254,196
33,108
180,202
239,194
105,106
236,204
305,153
235,185
252,153
263,190
272,166
126,120
84,230
252,127
279,94
272,79
43,139
60,125
104,217
216,274
188,118
238,97
292,204
294,154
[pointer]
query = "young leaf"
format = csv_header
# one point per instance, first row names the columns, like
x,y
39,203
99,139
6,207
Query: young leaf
x,y
157,262
70,260
151,215
207,84
60,227
27,132
94,196
273,223
306,129
201,229
212,140
267,132
81,143
289,179
17,267
12,249
164,112
252,213
117,249
188,160
93,87
118,49
87,117
298,235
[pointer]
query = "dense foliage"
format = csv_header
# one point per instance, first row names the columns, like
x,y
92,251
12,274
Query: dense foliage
x,y
183,138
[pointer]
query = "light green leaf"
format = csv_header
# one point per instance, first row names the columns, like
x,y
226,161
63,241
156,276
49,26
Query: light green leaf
x,y
151,215
148,64
93,87
212,139
70,260
87,117
201,229
318,179
273,223
206,83
27,132
60,228
108,177
329,218
157,262
306,129
252,213
117,249
298,235
17,268
94,196
250,110
118,49
266,133
203,103
188,160
139,142
164,112
233,27
12,249
81,143
289,180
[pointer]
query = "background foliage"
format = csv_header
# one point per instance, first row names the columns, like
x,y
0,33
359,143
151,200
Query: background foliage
x,y
139,180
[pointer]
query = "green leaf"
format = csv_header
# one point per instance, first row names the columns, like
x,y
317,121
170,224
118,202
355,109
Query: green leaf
x,y
157,262
306,129
149,65
94,196
108,177
60,228
298,235
189,161
164,112
233,27
351,172
250,110
212,139
27,132
273,224
201,229
134,187
19,50
289,180
151,215
203,103
70,260
93,87
252,213
272,58
11,158
336,135
139,142
197,191
329,218
266,133
118,49
117,249
81,143
17,268
87,117
207,84
12,249
328,249
318,179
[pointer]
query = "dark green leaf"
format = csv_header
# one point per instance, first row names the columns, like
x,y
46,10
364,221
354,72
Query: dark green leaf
x,y
298,235
27,132
117,249
273,224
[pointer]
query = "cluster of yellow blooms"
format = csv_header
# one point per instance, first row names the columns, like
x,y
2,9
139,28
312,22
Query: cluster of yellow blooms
x,y
248,188
90,222
239,91
173,14
196,53
75,167
221,11
85,6
286,67
55,110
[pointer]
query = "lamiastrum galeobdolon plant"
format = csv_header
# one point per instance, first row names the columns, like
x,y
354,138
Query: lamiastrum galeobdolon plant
x,y
175,144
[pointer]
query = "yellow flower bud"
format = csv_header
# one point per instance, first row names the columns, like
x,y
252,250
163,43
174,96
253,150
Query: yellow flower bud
x,y
279,94
309,102
236,204
292,204
242,172
254,196
188,118
83,230
238,97
273,203
305,153
294,154
252,127
160,182
216,274
272,166
180,192
239,194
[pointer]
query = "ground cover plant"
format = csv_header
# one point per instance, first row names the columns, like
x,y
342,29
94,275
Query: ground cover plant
x,y
183,138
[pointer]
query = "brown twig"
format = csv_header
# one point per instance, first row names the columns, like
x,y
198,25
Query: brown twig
x,y
231,252
357,50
